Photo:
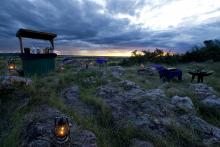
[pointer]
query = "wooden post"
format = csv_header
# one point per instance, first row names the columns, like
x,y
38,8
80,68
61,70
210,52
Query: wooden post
x,y
51,41
21,44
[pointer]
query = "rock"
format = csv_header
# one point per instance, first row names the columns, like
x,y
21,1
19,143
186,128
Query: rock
x,y
164,85
183,103
148,71
117,71
39,143
139,143
206,95
202,90
174,91
211,142
38,130
211,102
128,85
9,83
89,80
106,91
15,80
155,93
153,112
72,99
136,107
72,93
85,138
208,133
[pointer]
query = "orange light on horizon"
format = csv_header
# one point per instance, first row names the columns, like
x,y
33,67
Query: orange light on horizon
x,y
107,52
167,53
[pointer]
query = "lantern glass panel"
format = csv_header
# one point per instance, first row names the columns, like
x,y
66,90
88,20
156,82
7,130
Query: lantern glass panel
x,y
62,129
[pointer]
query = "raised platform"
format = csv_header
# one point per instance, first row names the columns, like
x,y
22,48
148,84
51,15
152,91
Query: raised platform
x,y
38,64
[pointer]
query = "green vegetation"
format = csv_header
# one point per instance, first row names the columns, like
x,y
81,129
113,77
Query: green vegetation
x,y
47,90
209,52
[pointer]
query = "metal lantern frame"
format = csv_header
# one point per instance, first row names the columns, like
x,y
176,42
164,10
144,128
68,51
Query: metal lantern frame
x,y
11,65
61,129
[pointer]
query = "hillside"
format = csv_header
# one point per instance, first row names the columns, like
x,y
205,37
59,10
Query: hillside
x,y
111,106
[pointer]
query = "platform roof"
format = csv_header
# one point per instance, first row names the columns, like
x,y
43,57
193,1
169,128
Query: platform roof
x,y
26,33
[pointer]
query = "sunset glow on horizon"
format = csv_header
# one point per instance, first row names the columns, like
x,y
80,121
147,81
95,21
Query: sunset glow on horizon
x,y
107,52
93,52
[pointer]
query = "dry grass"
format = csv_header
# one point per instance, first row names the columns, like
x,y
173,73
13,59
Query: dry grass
x,y
47,90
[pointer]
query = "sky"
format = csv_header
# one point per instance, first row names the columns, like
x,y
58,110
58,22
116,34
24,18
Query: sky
x,y
111,27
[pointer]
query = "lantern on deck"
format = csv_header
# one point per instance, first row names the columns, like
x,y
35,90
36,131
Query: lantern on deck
x,y
62,129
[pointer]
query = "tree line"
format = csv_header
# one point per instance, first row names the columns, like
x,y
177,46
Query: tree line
x,y
209,51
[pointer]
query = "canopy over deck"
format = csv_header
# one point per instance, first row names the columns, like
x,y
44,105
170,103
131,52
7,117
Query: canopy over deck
x,y
35,34
37,63
26,33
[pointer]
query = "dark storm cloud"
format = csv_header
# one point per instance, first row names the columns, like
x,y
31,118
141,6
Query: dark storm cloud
x,y
82,24
122,6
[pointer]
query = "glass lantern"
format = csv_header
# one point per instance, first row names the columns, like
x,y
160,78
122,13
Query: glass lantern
x,y
62,129
11,65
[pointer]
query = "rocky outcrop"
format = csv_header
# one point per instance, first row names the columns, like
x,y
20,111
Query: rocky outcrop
x,y
117,71
201,90
147,71
140,143
211,102
128,85
71,98
207,97
145,110
39,130
13,80
209,134
153,112
183,104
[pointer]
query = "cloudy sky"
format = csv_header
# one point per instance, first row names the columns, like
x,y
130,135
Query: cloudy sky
x,y
111,27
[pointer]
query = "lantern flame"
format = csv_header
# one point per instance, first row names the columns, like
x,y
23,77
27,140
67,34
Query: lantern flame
x,y
62,129
11,66
61,132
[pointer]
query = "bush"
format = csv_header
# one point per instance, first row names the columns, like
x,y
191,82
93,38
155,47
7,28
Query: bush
x,y
210,51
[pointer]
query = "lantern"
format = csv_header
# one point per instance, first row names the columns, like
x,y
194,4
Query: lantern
x,y
62,129
142,66
11,65
62,68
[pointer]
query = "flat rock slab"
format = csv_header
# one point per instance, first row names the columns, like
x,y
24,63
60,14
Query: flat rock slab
x,y
211,103
202,91
140,143
151,111
71,98
11,80
183,103
142,109
38,130
209,134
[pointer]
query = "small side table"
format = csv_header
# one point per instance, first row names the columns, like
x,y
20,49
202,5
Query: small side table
x,y
200,76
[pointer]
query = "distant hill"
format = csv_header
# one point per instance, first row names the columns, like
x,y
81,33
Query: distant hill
x,y
8,54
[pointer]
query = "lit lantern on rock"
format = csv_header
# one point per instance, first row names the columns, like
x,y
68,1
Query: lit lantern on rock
x,y
62,129
11,65
61,68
